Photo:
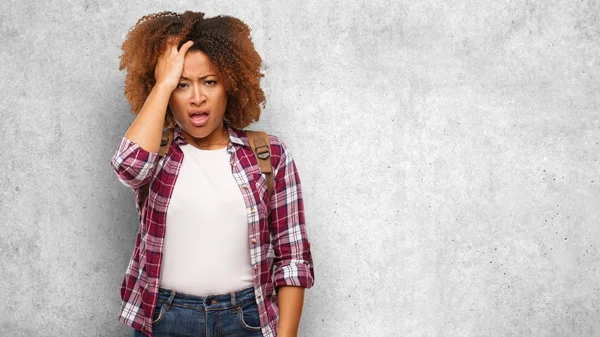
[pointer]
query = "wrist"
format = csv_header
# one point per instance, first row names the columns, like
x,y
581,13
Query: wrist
x,y
286,331
164,88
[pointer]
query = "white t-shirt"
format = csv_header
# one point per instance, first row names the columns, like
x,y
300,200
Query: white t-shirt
x,y
206,249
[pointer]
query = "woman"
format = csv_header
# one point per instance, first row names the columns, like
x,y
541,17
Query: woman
x,y
215,255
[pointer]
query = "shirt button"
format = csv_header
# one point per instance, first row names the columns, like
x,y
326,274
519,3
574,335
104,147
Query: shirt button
x,y
252,209
256,267
258,296
253,241
245,187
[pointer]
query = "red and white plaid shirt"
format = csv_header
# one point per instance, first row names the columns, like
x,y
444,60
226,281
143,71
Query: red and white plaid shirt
x,y
279,248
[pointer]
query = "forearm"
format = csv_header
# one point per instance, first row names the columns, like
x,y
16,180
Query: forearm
x,y
291,301
146,129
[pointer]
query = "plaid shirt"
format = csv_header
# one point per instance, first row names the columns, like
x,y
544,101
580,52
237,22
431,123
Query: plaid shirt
x,y
279,248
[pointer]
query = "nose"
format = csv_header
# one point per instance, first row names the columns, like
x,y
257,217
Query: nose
x,y
198,96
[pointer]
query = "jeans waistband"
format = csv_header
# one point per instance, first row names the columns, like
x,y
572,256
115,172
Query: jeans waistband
x,y
210,302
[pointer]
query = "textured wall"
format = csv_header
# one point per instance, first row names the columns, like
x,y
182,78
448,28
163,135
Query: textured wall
x,y
448,150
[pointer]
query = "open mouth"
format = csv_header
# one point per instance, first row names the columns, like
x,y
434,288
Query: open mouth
x,y
198,118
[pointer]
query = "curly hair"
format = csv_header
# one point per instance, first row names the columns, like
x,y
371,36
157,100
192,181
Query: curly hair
x,y
224,39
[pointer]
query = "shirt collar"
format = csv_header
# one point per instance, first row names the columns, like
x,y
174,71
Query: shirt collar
x,y
235,136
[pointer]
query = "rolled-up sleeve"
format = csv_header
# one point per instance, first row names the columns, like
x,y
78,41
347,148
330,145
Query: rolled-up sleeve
x,y
132,164
293,258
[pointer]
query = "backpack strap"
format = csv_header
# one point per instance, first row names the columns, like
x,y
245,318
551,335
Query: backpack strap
x,y
165,143
260,144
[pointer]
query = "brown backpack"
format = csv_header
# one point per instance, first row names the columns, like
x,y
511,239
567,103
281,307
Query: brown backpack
x,y
259,142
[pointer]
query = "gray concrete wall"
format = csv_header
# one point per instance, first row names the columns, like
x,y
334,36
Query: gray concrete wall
x,y
448,150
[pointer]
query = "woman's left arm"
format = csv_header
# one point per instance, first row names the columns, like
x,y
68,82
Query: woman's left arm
x,y
291,300
293,259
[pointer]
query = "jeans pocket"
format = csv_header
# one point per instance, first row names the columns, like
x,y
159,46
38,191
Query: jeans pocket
x,y
159,312
248,316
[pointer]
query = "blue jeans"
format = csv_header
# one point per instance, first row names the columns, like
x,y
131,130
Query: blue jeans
x,y
227,315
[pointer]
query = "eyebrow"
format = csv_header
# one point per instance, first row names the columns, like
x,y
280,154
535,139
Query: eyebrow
x,y
200,78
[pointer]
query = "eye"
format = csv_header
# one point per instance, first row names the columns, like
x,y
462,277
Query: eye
x,y
181,85
210,82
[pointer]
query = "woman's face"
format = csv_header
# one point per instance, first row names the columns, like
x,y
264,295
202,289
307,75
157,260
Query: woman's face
x,y
199,101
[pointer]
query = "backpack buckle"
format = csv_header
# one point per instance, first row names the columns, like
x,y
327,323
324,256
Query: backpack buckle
x,y
262,154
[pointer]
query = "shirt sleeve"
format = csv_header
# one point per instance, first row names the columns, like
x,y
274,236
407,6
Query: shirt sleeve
x,y
132,164
293,258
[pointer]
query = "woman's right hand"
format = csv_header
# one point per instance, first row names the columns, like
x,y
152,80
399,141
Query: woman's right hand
x,y
170,65
147,128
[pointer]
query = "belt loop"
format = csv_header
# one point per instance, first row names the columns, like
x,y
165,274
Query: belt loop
x,y
170,300
233,301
